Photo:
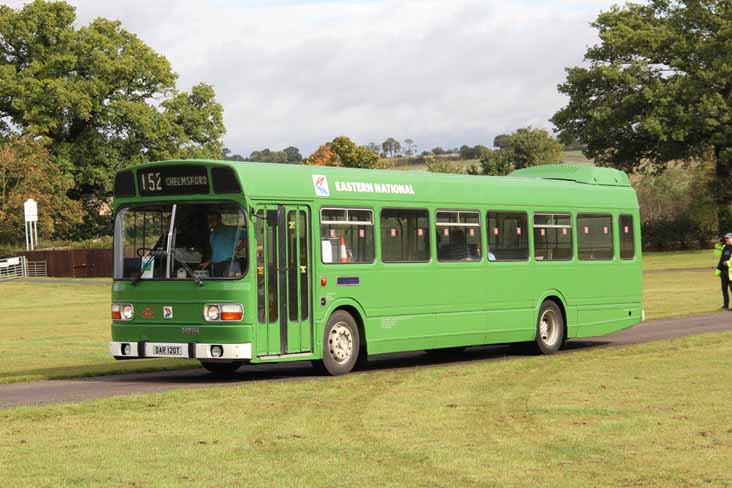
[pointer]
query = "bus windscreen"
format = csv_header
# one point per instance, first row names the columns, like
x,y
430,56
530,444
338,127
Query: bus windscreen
x,y
205,241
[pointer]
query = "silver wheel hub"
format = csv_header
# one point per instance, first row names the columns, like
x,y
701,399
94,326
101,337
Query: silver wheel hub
x,y
549,327
340,343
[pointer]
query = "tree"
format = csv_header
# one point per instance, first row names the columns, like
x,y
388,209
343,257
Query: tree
x,y
293,154
372,146
267,156
26,171
391,147
227,155
101,97
410,146
351,155
530,147
501,141
438,151
655,89
467,152
497,162
324,156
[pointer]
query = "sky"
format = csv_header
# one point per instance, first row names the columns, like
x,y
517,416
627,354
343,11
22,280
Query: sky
x,y
298,72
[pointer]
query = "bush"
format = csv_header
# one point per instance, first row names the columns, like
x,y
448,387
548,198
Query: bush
x,y
677,207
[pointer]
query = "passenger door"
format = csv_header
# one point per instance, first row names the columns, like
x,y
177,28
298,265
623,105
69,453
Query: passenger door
x,y
284,275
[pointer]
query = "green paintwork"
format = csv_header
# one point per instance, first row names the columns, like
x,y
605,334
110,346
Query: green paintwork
x,y
412,306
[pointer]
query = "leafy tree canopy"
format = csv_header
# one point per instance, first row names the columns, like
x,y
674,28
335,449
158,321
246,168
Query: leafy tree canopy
x,y
324,156
657,88
524,147
99,96
391,147
352,155
26,171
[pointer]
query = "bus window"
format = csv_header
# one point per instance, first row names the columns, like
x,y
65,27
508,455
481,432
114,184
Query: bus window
x,y
627,241
594,237
346,235
458,236
405,235
508,239
552,237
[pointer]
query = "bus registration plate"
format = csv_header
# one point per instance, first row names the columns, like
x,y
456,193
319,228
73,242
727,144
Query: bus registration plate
x,y
167,350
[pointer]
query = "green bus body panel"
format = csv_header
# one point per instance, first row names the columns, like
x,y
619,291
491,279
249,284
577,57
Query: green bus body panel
x,y
591,175
414,306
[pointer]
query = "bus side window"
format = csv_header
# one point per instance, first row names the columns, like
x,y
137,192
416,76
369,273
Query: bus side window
x,y
627,237
595,237
346,235
405,235
458,235
552,237
508,238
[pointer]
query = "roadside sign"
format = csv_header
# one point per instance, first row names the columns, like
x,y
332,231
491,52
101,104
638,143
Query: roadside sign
x,y
31,210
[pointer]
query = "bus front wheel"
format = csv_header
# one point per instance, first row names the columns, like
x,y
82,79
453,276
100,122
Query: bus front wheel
x,y
341,344
549,328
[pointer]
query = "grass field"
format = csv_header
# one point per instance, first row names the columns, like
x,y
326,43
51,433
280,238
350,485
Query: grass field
x,y
652,415
55,330
52,330
680,260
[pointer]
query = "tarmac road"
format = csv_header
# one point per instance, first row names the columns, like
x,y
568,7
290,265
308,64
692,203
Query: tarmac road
x,y
53,391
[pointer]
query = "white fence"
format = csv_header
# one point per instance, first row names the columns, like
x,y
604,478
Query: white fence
x,y
20,267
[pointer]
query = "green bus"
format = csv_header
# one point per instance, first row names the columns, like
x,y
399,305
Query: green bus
x,y
231,263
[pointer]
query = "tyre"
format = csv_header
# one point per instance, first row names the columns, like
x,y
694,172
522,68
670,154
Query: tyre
x,y
341,344
549,328
221,369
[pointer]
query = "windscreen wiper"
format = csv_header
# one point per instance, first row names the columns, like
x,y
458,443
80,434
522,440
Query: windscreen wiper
x,y
185,265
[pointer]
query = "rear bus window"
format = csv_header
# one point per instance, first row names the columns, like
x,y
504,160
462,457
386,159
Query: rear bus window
x,y
552,237
405,235
508,239
458,236
594,237
346,235
627,240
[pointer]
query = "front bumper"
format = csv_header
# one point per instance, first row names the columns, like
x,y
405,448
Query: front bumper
x,y
139,350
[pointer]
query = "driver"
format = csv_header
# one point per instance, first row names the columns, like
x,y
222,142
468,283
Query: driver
x,y
224,247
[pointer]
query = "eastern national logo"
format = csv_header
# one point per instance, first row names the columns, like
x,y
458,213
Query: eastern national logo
x,y
167,312
320,183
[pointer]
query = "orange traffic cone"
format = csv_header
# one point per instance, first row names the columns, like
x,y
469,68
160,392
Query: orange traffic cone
x,y
342,252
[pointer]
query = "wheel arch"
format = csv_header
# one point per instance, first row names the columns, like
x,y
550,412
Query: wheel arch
x,y
354,308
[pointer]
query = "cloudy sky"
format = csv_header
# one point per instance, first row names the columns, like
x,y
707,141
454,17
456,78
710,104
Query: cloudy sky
x,y
442,72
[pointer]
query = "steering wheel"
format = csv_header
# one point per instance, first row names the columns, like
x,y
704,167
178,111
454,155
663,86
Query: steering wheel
x,y
142,250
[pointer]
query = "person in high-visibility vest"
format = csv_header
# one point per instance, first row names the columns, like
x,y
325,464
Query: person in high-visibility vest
x,y
724,269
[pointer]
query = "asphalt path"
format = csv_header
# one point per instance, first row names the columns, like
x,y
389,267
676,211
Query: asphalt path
x,y
55,391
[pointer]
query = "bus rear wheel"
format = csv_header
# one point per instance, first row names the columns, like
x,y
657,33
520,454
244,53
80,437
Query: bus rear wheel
x,y
221,369
341,344
549,328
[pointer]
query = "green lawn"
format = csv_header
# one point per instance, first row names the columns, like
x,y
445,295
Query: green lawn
x,y
54,330
652,415
680,260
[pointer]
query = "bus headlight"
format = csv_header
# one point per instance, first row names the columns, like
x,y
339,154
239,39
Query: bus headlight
x,y
128,311
211,312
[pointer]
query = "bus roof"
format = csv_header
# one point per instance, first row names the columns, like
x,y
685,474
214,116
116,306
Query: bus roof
x,y
539,186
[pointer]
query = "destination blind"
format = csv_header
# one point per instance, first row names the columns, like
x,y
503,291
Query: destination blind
x,y
173,180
